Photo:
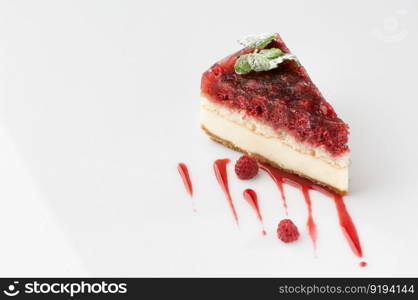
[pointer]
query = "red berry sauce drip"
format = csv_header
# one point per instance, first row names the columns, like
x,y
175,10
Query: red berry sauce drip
x,y
305,185
219,166
347,226
310,223
279,183
184,173
251,197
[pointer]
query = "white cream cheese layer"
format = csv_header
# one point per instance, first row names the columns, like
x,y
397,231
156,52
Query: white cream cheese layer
x,y
253,136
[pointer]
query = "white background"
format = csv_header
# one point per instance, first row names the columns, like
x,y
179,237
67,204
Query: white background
x,y
99,101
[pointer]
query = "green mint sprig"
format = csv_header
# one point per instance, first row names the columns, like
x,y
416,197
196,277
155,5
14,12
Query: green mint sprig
x,y
257,41
261,60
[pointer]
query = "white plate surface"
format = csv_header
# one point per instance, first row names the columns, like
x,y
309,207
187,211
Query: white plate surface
x,y
99,102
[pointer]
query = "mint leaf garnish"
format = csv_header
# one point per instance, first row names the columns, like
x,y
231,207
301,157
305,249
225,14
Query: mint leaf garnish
x,y
242,66
276,61
288,56
271,53
261,59
258,62
257,41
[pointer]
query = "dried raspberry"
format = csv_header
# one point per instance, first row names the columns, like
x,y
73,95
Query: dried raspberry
x,y
305,104
226,92
217,70
258,107
246,167
279,114
251,84
287,231
242,102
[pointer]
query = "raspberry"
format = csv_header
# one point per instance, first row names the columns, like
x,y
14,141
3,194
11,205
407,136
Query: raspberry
x,y
258,107
242,102
217,70
246,167
279,115
287,231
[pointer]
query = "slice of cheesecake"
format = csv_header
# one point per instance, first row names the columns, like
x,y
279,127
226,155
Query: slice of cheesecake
x,y
261,101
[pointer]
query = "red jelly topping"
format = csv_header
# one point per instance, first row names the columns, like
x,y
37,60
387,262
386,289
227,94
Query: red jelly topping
x,y
285,98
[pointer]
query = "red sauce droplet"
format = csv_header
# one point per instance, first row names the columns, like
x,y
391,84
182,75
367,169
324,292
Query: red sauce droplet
x,y
310,223
279,182
219,166
347,226
251,197
346,222
363,264
184,173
